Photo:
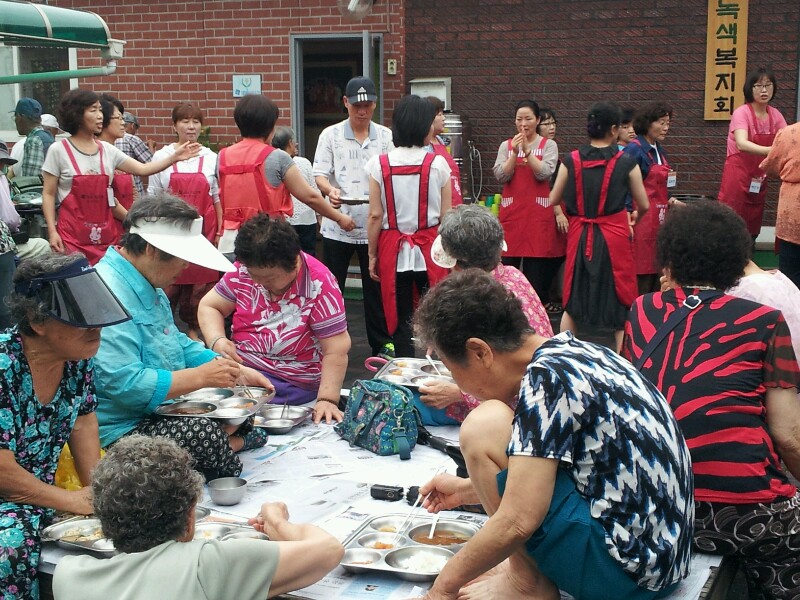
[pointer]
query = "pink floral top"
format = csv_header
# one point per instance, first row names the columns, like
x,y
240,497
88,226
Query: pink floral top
x,y
281,336
516,283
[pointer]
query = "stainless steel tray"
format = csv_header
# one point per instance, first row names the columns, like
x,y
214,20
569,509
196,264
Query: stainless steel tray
x,y
353,201
411,372
362,557
83,533
214,400
212,530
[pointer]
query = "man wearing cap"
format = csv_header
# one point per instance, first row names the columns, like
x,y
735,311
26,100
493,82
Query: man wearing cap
x,y
28,119
342,152
144,363
132,145
50,124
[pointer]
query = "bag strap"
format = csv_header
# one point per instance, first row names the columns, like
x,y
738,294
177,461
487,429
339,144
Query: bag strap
x,y
692,302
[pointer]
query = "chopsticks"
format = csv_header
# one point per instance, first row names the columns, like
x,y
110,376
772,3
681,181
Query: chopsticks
x,y
401,531
433,364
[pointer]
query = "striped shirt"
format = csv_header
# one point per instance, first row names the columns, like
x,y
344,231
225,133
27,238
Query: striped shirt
x,y
281,336
714,369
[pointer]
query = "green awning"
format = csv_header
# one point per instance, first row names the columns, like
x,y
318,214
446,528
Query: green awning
x,y
29,24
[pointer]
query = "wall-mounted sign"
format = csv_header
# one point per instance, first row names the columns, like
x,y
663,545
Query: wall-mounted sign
x,y
246,84
726,57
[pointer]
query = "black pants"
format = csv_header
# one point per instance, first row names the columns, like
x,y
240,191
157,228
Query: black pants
x,y
789,260
540,272
404,292
308,238
336,255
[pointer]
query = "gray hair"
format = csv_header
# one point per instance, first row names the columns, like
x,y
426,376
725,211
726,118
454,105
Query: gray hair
x,y
161,205
282,137
473,236
143,491
26,310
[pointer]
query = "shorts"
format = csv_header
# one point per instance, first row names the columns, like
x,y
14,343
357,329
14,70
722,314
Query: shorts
x,y
570,549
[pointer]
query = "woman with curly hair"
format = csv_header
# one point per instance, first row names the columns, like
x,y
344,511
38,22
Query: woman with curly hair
x,y
728,370
145,493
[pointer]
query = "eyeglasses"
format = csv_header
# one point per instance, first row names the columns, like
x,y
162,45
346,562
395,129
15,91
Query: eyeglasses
x,y
763,86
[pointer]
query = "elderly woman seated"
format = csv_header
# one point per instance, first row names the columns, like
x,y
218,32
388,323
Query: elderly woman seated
x,y
147,361
46,400
145,493
729,371
288,317
471,237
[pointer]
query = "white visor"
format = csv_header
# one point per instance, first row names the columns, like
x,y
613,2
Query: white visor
x,y
442,258
188,244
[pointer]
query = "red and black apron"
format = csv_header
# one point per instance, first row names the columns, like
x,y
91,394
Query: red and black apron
x,y
85,222
613,228
195,190
741,174
645,231
528,220
391,239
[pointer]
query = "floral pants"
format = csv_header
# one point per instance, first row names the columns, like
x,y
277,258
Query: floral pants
x,y
20,549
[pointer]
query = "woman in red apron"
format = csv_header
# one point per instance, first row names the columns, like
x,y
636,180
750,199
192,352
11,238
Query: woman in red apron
x,y
752,130
534,238
594,182
409,192
114,129
194,181
651,124
79,173
437,146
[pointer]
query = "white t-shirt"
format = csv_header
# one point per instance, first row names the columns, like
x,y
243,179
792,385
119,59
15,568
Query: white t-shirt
x,y
58,163
406,194
199,570
160,181
303,213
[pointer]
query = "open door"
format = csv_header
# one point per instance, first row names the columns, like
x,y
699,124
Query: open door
x,y
321,66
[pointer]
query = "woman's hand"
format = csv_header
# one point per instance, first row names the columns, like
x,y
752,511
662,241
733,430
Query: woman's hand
x,y
562,223
227,349
187,150
334,197
373,268
518,142
446,492
56,243
220,372
328,411
272,513
346,222
81,501
251,377
439,394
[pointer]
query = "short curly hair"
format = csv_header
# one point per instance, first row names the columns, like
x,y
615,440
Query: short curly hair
x,y
265,242
72,107
470,304
649,114
704,243
143,491
473,236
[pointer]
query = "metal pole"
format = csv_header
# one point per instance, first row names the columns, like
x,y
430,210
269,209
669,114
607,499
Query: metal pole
x,y
56,75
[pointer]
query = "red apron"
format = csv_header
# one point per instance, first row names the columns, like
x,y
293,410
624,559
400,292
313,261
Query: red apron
x,y
85,222
528,220
739,171
123,188
390,240
613,227
455,174
645,231
195,190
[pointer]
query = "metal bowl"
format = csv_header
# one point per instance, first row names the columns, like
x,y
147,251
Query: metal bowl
x,y
231,416
247,404
419,534
227,491
245,533
397,559
186,409
369,540
356,560
387,524
276,426
295,413
211,531
209,394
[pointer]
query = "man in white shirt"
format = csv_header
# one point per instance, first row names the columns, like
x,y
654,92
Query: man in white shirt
x,y
342,152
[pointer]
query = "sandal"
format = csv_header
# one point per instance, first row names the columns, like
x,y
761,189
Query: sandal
x,y
553,307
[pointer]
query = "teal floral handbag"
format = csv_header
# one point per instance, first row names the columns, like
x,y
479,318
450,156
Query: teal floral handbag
x,y
380,417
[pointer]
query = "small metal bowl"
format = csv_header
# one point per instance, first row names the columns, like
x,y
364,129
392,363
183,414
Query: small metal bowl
x,y
357,560
369,540
397,560
209,394
277,426
295,413
419,534
247,404
186,409
227,491
243,533
210,531
231,416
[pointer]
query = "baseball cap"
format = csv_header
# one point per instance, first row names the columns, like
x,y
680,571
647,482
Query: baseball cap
x,y
5,157
28,107
129,118
360,89
50,121
188,244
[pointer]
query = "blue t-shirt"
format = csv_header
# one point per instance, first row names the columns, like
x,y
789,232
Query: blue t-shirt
x,y
615,434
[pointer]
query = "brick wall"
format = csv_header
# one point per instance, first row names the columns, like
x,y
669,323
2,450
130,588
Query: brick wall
x,y
187,51
567,54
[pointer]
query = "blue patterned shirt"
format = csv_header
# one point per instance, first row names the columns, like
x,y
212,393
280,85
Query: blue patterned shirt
x,y
615,434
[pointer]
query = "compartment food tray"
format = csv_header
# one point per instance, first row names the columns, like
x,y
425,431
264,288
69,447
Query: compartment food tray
x,y
410,372
212,400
